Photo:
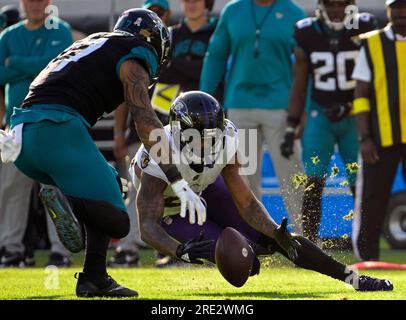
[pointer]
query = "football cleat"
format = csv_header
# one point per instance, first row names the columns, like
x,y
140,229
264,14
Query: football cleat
x,y
170,262
366,283
12,260
67,226
125,259
59,260
105,286
29,259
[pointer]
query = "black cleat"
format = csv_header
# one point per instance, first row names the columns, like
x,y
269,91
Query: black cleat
x,y
125,259
366,283
106,286
29,260
59,260
256,267
170,262
67,226
12,260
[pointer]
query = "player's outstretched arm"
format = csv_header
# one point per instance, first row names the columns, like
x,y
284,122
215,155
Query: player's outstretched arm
x,y
150,206
249,207
253,211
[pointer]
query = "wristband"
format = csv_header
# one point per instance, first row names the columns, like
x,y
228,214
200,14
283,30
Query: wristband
x,y
173,174
361,105
293,121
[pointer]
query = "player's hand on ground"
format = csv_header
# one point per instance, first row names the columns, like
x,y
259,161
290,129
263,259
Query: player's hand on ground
x,y
286,241
369,152
190,201
195,249
288,143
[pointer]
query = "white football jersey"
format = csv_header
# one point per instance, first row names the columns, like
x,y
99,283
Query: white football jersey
x,y
197,181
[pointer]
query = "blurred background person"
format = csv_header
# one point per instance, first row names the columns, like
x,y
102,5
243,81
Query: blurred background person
x,y
19,65
325,40
258,35
380,105
190,40
9,15
126,144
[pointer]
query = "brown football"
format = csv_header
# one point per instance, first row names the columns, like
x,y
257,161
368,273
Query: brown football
x,y
234,257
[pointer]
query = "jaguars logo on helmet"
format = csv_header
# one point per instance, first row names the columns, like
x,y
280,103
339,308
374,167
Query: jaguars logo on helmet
x,y
146,25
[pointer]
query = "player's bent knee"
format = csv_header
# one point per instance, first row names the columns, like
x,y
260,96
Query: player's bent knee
x,y
122,227
106,217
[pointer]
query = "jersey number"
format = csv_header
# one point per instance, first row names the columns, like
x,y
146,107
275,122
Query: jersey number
x,y
72,57
329,65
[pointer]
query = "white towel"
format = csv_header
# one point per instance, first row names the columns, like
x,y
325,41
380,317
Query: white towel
x,y
11,143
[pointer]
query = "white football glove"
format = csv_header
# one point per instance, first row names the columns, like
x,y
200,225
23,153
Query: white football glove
x,y
189,200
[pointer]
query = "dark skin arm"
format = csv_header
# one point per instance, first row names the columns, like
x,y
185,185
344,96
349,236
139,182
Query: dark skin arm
x,y
368,148
297,100
255,214
249,207
135,81
150,206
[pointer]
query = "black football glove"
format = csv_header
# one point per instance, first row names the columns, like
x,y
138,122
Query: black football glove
x,y
286,240
337,112
195,249
256,267
288,143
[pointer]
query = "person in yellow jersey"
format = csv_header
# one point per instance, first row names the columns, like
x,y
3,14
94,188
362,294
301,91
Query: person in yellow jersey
x,y
380,106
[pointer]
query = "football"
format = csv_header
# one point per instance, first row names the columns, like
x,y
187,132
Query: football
x,y
234,257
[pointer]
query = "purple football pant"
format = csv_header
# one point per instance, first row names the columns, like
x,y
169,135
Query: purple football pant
x,y
221,213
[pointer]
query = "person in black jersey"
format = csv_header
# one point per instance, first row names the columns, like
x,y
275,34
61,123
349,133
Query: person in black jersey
x,y
327,47
82,192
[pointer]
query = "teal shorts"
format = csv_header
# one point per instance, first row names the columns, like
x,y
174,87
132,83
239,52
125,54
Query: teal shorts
x,y
320,139
58,150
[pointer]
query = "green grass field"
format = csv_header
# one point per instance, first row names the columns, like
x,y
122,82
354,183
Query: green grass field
x,y
277,280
